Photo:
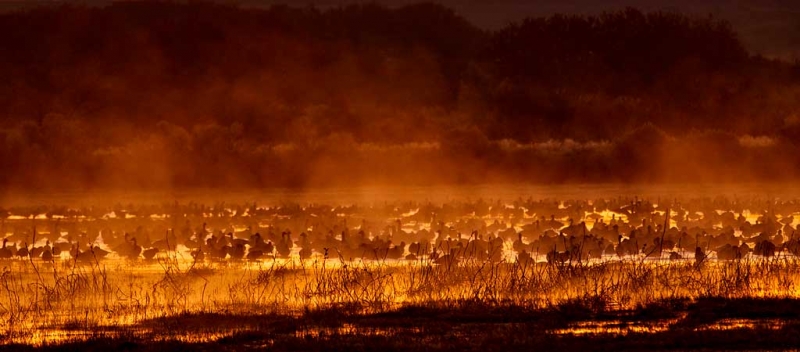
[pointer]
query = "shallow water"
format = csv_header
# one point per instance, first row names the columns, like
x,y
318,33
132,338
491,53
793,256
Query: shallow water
x,y
595,328
171,283
377,194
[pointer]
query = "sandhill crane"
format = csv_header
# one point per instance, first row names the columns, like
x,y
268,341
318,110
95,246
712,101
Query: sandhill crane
x,y
5,252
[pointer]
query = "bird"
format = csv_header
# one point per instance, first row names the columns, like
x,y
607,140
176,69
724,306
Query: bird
x,y
765,248
699,255
47,254
22,252
130,249
254,254
5,252
81,256
150,253
98,252
237,251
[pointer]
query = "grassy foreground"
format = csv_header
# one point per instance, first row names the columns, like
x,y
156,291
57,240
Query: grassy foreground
x,y
706,323
628,304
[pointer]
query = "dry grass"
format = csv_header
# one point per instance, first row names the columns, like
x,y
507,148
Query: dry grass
x,y
38,297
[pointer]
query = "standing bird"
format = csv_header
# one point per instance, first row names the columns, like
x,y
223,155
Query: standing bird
x,y
699,255
130,249
47,254
237,251
22,252
5,252
254,254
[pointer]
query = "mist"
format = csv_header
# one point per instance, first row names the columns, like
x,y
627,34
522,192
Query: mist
x,y
180,96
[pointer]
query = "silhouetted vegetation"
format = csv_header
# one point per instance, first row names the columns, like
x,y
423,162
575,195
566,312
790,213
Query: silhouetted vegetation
x,y
639,273
459,327
160,94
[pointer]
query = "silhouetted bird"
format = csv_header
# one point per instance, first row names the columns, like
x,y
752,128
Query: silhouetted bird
x,y
699,255
5,252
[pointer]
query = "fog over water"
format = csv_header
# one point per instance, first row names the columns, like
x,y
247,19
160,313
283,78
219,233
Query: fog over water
x,y
437,194
141,96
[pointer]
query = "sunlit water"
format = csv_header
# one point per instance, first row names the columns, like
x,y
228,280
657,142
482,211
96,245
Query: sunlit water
x,y
112,296
437,193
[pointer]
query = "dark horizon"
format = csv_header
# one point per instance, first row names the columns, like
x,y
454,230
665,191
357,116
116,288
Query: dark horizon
x,y
768,28
167,95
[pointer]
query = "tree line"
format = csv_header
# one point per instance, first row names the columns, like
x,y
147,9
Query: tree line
x,y
173,94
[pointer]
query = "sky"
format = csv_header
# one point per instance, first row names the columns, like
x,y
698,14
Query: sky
x,y
767,27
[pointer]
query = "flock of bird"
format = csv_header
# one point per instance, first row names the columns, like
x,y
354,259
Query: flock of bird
x,y
523,230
